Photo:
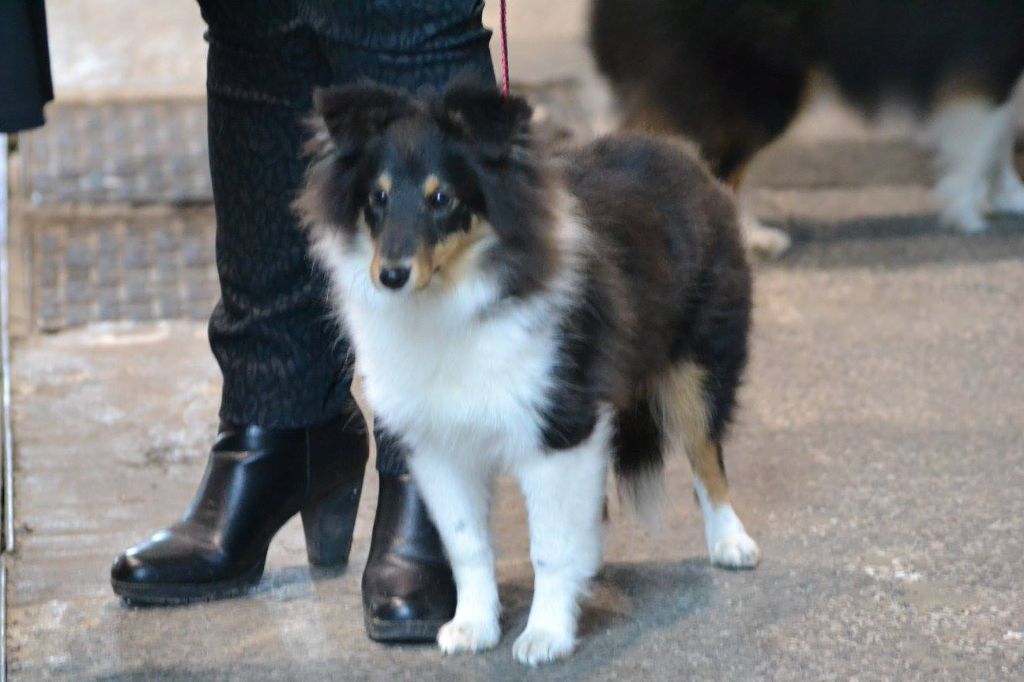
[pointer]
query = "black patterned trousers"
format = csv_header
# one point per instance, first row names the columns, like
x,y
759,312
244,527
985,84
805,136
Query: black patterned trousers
x,y
271,332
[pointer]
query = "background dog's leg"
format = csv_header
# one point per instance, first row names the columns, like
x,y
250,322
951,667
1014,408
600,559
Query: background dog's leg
x,y
564,494
760,240
968,133
1007,189
457,493
680,401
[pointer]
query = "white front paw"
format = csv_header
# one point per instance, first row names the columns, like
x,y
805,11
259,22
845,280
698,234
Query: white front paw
x,y
457,636
737,550
537,645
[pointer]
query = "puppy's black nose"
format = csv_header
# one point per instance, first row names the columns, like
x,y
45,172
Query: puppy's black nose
x,y
394,278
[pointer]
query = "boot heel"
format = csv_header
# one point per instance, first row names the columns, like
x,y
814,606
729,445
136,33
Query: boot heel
x,y
328,524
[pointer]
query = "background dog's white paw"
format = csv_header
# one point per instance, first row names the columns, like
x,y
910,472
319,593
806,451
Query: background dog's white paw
x,y
737,550
761,240
1009,199
967,222
457,636
537,645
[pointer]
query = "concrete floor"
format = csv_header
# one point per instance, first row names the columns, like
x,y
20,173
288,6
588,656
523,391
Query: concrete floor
x,y
878,458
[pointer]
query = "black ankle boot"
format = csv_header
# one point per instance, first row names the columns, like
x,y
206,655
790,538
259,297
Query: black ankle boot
x,y
256,480
408,589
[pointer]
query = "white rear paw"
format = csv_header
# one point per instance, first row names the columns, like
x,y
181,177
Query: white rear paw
x,y
736,551
457,636
536,646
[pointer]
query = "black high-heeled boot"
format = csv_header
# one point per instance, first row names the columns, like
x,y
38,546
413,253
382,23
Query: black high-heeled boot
x,y
256,479
408,588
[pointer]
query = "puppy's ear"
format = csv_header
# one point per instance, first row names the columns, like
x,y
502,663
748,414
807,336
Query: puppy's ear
x,y
354,114
492,123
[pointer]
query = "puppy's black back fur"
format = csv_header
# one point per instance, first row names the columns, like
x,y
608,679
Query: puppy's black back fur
x,y
669,287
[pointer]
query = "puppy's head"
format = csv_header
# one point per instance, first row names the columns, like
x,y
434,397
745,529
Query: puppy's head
x,y
422,184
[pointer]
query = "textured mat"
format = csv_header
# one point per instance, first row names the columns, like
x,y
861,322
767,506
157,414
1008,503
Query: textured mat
x,y
121,264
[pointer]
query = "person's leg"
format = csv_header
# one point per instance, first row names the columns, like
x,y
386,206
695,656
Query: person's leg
x,y
408,588
271,332
417,47
284,444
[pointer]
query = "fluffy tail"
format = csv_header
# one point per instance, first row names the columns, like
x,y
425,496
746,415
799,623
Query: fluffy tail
x,y
639,462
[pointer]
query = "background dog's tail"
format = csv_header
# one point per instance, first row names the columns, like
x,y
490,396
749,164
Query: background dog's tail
x,y
638,460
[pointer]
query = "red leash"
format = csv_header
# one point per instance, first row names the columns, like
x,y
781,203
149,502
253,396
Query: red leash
x,y
504,50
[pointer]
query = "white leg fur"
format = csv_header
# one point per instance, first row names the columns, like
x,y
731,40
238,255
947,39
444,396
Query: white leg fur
x,y
456,490
728,543
681,407
564,494
969,135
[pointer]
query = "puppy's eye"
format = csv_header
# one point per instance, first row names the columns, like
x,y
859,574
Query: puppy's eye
x,y
379,198
438,200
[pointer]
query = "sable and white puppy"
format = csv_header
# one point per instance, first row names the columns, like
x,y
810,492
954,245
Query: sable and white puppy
x,y
516,313
731,75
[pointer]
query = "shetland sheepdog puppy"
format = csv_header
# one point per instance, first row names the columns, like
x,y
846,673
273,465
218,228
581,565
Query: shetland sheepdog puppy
x,y
731,75
544,317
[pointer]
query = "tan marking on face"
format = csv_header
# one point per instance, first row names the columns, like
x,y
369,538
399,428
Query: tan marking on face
x,y
375,265
375,259
682,408
450,256
384,182
447,259
431,185
422,269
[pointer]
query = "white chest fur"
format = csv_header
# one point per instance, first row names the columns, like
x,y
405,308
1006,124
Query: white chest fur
x,y
447,383
440,373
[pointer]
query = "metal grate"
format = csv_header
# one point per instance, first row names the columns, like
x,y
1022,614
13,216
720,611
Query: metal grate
x,y
118,152
123,265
